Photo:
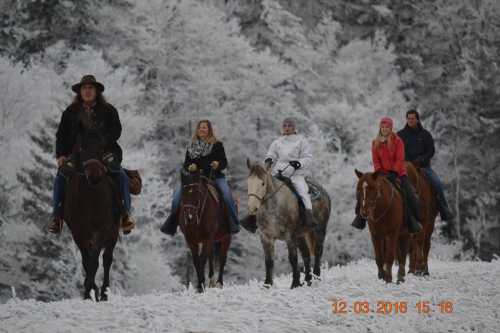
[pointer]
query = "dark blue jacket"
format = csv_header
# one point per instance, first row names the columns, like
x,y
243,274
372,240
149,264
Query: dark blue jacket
x,y
419,145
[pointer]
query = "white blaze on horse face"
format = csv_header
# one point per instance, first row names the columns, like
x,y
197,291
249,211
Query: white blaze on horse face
x,y
256,192
365,185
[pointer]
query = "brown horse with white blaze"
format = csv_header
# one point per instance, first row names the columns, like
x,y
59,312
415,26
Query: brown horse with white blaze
x,y
382,206
204,221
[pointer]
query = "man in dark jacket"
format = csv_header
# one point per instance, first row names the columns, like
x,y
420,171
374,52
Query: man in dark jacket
x,y
419,149
89,105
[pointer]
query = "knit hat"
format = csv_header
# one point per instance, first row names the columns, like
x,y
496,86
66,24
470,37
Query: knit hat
x,y
387,121
289,121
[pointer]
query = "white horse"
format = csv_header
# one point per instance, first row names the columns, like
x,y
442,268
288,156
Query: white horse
x,y
278,217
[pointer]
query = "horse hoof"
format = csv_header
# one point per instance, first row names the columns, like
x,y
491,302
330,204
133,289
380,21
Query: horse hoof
x,y
309,283
212,284
400,280
267,285
296,285
104,298
219,285
316,277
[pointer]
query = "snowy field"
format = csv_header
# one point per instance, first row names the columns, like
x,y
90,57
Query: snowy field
x,y
472,289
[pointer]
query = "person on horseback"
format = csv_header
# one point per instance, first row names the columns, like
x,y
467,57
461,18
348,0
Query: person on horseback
x,y
207,154
419,149
89,106
291,156
388,158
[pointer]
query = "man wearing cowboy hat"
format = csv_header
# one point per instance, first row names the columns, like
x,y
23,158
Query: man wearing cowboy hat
x,y
90,103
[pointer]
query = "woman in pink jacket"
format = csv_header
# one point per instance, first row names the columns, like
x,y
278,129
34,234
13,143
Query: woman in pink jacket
x,y
388,156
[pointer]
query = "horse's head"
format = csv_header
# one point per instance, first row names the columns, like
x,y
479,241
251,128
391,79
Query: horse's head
x,y
257,185
92,152
367,192
192,187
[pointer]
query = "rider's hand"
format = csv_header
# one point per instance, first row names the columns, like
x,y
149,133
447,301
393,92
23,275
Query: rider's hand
x,y
214,165
192,167
295,164
60,161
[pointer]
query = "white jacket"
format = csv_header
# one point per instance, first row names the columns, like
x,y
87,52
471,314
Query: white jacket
x,y
286,148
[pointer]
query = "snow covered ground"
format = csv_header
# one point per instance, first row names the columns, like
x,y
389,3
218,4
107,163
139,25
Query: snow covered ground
x,y
473,289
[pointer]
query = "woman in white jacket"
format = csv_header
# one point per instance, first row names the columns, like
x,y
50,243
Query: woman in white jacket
x,y
290,155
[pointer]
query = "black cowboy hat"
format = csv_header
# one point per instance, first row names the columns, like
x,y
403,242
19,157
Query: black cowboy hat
x,y
88,79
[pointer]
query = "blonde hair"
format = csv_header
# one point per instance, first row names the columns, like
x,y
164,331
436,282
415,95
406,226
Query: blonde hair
x,y
211,137
378,139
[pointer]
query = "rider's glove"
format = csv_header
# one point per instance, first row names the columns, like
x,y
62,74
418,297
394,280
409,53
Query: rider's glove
x,y
192,167
295,164
214,165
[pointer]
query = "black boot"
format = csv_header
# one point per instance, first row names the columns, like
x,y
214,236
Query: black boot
x,y
359,222
249,223
235,227
412,215
170,225
444,210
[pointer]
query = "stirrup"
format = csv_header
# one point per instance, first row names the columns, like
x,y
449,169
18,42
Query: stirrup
x,y
56,225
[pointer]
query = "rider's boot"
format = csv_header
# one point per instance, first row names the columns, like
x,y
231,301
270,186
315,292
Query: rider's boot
x,y
169,227
127,224
56,224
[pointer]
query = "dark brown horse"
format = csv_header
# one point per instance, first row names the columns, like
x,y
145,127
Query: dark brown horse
x,y
420,244
204,221
382,206
88,211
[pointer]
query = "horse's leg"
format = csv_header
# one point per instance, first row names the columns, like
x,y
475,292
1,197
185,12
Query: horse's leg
x,y
306,257
402,253
223,249
196,253
318,251
389,254
377,247
85,264
107,260
206,252
211,258
413,253
294,261
268,246
427,247
92,264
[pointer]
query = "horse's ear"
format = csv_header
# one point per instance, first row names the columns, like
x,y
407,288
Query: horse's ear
x,y
249,164
358,173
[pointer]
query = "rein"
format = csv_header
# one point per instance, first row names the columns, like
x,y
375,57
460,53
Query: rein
x,y
376,198
200,207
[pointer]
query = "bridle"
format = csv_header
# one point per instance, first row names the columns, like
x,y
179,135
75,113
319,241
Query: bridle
x,y
272,194
199,208
378,196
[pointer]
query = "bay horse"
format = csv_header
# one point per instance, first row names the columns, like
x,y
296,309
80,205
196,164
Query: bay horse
x,y
382,206
278,218
420,244
204,220
89,214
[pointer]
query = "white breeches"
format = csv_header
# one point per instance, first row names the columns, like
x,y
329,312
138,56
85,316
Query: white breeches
x,y
301,186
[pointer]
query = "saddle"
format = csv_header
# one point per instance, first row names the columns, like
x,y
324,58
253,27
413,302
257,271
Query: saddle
x,y
314,192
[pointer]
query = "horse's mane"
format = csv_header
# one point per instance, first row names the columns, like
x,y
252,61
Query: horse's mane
x,y
257,170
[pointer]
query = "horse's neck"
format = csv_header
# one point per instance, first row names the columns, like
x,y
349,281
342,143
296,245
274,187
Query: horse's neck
x,y
387,195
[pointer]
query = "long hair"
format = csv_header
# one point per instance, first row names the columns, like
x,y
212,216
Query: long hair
x,y
99,98
211,137
379,139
